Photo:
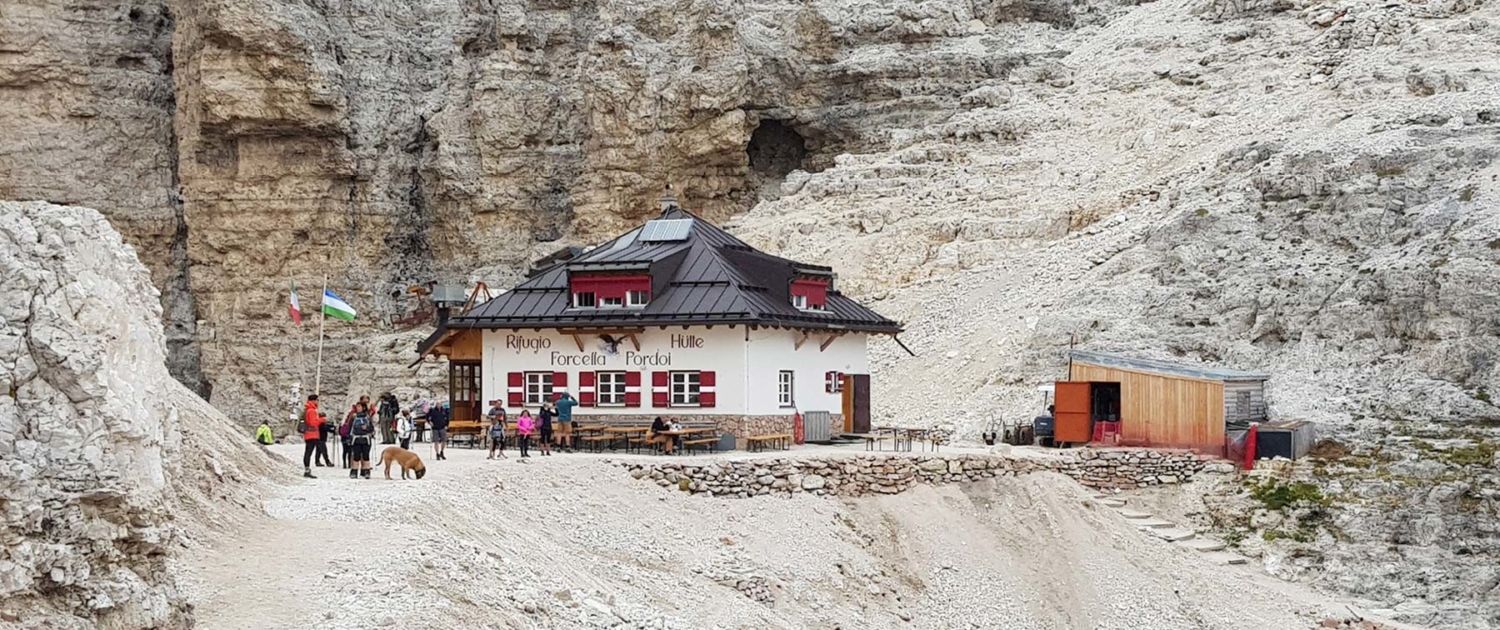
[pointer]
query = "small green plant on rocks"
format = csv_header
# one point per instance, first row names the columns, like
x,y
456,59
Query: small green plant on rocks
x,y
1277,496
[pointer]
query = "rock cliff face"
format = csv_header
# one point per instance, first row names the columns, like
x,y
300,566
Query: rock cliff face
x,y
105,460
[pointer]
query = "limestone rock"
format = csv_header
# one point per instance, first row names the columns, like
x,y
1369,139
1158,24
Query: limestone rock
x,y
105,456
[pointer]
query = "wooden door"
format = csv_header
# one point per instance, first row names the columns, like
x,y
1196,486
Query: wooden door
x,y
1071,415
846,391
861,402
464,391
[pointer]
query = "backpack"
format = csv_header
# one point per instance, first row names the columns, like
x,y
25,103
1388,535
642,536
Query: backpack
x,y
362,426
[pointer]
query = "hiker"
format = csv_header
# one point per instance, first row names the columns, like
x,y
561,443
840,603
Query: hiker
x,y
654,436
498,412
311,421
544,428
404,428
320,459
363,400
497,435
525,426
388,409
565,403
344,438
361,436
263,434
437,420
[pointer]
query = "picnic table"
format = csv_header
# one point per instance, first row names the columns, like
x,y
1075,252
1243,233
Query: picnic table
x,y
677,437
901,438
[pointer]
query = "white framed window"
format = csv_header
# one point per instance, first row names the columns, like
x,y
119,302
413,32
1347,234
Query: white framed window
x,y
583,300
799,301
609,388
637,298
538,388
611,302
685,389
784,388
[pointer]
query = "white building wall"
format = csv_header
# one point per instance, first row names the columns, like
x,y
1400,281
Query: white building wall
x,y
721,350
771,351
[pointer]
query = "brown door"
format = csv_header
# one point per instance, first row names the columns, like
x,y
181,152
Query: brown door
x,y
847,395
464,391
1071,416
861,398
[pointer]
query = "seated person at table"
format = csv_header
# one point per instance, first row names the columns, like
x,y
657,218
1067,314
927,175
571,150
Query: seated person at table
x,y
654,435
674,425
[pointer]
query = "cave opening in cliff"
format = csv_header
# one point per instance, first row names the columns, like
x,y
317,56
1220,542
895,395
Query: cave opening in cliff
x,y
775,150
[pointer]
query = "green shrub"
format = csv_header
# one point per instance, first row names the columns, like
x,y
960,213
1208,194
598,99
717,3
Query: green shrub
x,y
1278,496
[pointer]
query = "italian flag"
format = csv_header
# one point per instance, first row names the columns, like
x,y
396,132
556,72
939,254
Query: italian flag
x,y
295,307
334,306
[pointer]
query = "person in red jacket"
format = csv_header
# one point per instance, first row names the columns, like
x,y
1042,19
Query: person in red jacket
x,y
311,421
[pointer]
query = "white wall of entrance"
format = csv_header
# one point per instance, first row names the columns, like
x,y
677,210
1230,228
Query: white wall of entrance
x,y
745,366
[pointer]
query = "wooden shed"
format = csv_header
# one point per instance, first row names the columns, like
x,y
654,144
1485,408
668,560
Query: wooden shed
x,y
1159,403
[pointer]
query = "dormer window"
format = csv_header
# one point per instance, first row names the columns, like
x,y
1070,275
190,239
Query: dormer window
x,y
810,293
605,291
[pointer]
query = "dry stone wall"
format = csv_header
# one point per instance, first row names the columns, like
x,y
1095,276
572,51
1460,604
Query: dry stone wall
x,y
860,475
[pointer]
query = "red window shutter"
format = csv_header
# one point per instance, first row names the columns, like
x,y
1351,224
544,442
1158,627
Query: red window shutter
x,y
586,389
632,389
516,386
559,381
707,392
829,380
661,395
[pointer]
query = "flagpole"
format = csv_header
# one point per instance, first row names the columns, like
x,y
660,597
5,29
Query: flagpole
x,y
318,380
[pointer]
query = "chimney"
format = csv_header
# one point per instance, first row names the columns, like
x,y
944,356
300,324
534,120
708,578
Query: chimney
x,y
668,200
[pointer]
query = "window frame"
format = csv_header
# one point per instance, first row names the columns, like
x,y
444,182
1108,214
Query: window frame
x,y
692,388
526,384
786,388
604,303
800,302
593,300
630,296
601,396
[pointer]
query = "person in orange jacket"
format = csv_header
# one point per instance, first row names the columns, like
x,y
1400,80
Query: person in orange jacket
x,y
310,423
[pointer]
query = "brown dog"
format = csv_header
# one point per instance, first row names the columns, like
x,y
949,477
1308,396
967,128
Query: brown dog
x,y
406,459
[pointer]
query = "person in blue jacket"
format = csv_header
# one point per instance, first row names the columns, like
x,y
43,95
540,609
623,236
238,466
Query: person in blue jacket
x,y
565,404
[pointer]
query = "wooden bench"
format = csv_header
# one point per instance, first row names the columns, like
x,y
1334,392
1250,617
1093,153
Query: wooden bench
x,y
709,444
465,430
781,441
872,441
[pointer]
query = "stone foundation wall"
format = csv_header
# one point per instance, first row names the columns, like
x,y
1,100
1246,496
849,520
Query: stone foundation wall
x,y
738,425
858,475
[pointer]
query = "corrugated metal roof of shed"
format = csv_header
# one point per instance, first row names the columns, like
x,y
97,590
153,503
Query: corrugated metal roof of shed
x,y
1168,368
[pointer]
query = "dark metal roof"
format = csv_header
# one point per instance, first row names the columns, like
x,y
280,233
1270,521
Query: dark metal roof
x,y
710,277
1153,366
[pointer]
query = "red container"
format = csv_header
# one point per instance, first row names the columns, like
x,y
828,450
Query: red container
x,y
797,428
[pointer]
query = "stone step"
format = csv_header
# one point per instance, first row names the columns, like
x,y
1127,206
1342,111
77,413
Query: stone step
x,y
1224,557
1172,534
1153,523
1204,544
1134,514
1113,503
1102,496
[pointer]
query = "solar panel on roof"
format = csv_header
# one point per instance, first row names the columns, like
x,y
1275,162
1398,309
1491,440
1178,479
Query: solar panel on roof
x,y
665,230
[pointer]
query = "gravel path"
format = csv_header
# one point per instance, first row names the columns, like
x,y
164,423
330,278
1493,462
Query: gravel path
x,y
571,541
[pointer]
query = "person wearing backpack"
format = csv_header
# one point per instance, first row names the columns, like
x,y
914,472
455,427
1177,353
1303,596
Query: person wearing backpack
x,y
404,428
344,438
361,435
388,408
